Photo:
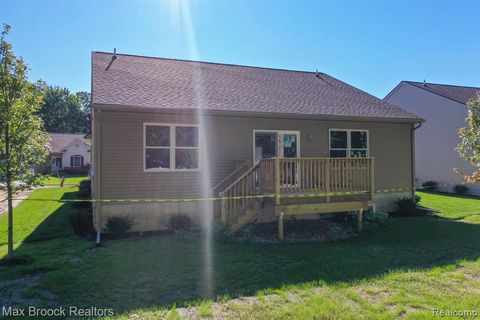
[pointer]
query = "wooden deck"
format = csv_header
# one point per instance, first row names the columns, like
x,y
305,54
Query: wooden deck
x,y
289,182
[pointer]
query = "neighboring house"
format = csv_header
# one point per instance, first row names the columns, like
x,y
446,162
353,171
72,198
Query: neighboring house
x,y
444,109
271,142
69,152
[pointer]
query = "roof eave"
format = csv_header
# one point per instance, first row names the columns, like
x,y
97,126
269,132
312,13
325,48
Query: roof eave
x,y
117,107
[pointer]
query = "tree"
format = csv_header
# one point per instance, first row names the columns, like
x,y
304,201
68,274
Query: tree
x,y
469,147
23,145
85,100
65,112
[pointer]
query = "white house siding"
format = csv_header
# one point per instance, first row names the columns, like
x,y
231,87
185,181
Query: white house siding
x,y
436,139
76,149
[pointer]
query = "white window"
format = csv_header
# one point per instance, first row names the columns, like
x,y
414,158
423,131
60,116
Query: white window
x,y
171,147
76,161
348,143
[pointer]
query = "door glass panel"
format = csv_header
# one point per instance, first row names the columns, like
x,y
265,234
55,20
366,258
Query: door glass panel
x,y
265,145
289,145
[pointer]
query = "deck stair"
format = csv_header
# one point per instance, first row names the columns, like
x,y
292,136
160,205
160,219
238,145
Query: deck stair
x,y
298,186
239,202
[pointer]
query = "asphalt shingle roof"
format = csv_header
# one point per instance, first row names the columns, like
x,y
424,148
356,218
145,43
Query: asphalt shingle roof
x,y
458,93
148,82
58,141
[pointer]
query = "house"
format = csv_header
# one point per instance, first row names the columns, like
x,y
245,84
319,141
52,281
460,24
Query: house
x,y
69,152
444,108
270,143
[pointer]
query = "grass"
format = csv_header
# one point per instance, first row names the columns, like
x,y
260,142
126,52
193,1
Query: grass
x,y
69,180
406,269
451,206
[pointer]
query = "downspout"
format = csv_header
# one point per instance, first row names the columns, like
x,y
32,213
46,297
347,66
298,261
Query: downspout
x,y
412,153
96,148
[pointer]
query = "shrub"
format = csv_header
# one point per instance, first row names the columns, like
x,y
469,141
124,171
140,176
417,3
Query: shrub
x,y
82,222
378,219
247,232
430,185
180,221
119,226
460,189
337,232
222,233
85,184
84,193
407,207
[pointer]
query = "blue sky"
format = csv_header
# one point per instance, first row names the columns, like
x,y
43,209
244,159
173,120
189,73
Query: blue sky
x,y
370,44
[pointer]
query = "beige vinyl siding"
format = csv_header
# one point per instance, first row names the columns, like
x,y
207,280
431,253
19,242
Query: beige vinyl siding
x,y
230,139
437,138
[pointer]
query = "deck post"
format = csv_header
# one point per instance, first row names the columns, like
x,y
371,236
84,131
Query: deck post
x,y
280,226
277,181
327,179
372,179
359,220
224,207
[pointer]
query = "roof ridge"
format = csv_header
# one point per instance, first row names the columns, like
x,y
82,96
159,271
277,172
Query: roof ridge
x,y
210,62
442,84
80,133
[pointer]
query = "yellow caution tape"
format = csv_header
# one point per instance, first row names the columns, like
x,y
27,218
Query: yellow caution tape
x,y
246,197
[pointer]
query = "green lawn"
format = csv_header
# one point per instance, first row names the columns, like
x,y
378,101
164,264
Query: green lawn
x,y
451,206
69,180
406,269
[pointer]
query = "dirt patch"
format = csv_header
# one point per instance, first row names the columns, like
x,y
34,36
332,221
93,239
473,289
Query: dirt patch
x,y
11,291
223,310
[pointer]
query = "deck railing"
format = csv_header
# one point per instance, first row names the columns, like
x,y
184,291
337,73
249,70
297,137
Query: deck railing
x,y
238,195
316,175
279,176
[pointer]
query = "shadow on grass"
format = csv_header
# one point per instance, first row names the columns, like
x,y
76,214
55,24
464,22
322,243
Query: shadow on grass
x,y
159,271
55,225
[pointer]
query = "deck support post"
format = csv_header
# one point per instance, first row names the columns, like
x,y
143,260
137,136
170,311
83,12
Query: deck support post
x,y
327,179
359,220
280,226
223,207
277,181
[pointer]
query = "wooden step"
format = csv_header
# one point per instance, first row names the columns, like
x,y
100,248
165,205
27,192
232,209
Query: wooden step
x,y
249,216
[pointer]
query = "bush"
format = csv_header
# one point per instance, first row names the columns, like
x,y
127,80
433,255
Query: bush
x,y
407,207
460,189
119,226
222,233
82,222
378,219
180,221
84,193
430,185
337,232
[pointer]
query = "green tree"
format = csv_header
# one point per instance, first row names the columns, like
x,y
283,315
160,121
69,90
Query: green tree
x,y
85,100
23,144
469,147
65,112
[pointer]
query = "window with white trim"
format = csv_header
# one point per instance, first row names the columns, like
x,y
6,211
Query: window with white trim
x,y
348,143
77,161
171,147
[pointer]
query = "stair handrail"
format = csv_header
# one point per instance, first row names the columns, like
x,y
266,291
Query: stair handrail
x,y
231,174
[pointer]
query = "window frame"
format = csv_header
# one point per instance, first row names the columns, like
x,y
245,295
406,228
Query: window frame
x,y
349,145
79,157
172,147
